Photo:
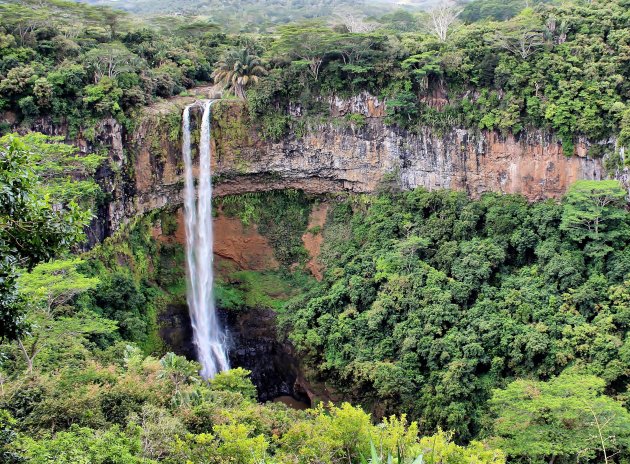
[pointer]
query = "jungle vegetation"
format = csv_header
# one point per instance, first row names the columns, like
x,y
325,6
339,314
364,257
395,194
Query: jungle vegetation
x,y
556,66
476,331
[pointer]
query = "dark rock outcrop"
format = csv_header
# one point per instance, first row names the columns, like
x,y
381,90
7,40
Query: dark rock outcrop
x,y
253,345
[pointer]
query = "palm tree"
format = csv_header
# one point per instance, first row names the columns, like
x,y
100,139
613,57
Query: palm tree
x,y
238,69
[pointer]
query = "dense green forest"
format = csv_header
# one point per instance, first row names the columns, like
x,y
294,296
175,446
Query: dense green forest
x,y
431,300
485,330
558,67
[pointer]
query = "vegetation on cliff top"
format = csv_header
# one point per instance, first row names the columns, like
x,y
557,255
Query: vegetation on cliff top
x,y
558,66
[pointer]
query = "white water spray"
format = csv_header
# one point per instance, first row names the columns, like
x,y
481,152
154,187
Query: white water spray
x,y
209,338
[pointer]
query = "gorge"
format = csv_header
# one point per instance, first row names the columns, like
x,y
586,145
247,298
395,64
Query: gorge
x,y
315,232
329,159
154,172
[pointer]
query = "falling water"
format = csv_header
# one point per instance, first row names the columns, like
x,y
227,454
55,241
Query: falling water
x,y
209,338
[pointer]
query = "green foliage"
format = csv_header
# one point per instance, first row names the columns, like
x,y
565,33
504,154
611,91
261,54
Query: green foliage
x,y
178,370
138,276
499,10
440,448
402,109
7,437
558,66
594,211
81,445
78,63
238,69
274,126
261,290
527,69
54,284
431,303
63,173
430,300
120,298
347,433
357,120
566,417
235,381
219,423
31,229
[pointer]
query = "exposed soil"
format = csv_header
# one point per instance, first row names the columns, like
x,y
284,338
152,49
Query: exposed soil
x,y
313,239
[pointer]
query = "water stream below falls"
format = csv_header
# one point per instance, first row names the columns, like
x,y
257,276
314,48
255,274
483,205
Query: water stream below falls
x,y
208,336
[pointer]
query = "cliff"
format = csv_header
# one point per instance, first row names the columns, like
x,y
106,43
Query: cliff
x,y
332,155
336,155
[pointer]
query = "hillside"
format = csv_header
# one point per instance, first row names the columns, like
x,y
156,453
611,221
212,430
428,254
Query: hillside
x,y
252,15
274,232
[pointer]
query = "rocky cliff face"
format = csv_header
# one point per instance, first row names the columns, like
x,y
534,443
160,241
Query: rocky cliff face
x,y
338,156
145,169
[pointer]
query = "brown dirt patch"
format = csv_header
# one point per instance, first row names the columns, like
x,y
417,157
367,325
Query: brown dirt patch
x,y
313,239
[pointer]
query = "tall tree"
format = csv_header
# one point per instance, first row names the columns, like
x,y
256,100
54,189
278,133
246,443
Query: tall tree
x,y
54,284
521,36
308,42
568,416
443,17
110,60
32,228
595,211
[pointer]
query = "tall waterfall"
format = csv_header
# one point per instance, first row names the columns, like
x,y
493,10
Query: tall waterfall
x,y
208,335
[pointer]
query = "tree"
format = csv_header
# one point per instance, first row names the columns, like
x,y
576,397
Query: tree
x,y
110,60
84,445
22,19
568,416
54,284
110,17
443,16
423,66
357,24
178,370
353,47
402,108
121,299
48,333
310,42
238,443
520,36
32,228
440,448
65,174
237,70
158,429
595,210
235,380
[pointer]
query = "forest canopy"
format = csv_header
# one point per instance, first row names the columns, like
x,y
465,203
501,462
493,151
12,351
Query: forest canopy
x,y
561,67
473,330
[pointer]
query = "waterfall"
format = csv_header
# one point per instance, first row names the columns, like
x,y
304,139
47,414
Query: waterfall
x,y
208,335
